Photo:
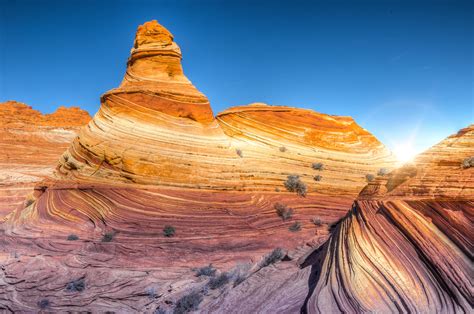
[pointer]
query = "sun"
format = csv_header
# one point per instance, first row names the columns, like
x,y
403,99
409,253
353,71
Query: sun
x,y
405,152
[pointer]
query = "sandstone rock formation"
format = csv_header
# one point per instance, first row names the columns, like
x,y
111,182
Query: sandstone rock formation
x,y
408,249
155,156
31,144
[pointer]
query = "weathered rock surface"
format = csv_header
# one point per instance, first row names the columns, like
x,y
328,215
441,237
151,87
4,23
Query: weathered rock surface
x,y
406,245
31,144
154,155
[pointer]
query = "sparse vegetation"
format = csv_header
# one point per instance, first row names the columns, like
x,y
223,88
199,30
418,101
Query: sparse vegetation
x,y
383,171
283,211
43,304
293,183
468,162
72,237
317,166
28,202
317,178
169,231
295,227
151,293
76,285
239,152
188,303
239,279
219,281
275,256
108,237
208,271
283,149
317,221
277,189
369,177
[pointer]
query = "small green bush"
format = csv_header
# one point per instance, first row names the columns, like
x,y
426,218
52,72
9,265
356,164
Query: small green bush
x,y
43,304
239,152
188,303
383,171
275,256
317,178
76,285
219,281
317,221
169,231
108,237
468,162
283,211
283,149
295,227
208,271
293,183
369,177
317,166
72,237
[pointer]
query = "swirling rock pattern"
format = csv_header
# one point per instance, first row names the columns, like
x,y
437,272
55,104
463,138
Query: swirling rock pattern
x,y
31,144
154,155
406,245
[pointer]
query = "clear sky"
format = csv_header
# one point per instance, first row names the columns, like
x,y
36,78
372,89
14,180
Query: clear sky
x,y
402,69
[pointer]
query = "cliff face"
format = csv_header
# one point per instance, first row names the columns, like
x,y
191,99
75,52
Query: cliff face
x,y
406,245
31,144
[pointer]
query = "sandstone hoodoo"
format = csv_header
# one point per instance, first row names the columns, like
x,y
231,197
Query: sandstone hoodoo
x,y
31,144
407,247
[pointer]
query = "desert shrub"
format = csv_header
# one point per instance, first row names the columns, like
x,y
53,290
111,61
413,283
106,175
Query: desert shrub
x,y
468,162
275,256
169,231
208,271
317,166
239,152
151,293
219,281
72,237
43,304
295,227
159,311
28,202
108,237
383,171
369,177
283,211
317,221
317,178
283,149
76,285
239,279
293,183
277,189
188,303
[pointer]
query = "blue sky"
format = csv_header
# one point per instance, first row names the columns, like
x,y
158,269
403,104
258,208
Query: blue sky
x,y
402,69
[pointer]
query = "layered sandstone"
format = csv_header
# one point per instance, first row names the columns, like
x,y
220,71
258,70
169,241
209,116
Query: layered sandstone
x,y
406,245
158,129
154,155
31,144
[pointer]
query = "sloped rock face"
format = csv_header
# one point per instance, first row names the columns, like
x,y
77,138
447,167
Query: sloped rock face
x,y
406,245
31,144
